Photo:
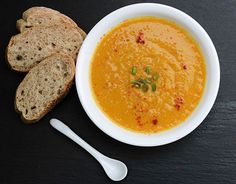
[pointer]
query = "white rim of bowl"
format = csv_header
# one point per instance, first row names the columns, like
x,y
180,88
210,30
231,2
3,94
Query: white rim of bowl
x,y
83,83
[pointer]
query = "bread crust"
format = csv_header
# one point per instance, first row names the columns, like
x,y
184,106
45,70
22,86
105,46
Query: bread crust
x,y
23,23
54,102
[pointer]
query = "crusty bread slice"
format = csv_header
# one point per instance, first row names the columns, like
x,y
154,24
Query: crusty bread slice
x,y
42,16
28,48
44,86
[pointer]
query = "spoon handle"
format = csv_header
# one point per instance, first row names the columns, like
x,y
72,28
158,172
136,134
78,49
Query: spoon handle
x,y
61,127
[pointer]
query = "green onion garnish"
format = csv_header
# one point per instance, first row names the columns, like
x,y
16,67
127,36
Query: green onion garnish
x,y
144,87
141,80
149,80
134,70
136,84
145,83
155,76
154,87
148,70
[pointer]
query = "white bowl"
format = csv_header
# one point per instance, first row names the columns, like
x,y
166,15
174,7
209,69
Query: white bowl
x,y
83,75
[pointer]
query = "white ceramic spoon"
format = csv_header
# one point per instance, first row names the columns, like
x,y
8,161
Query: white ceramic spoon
x,y
115,170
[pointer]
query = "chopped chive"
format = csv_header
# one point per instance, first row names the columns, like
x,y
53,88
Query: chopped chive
x,y
134,70
144,83
149,80
141,80
136,84
144,87
148,70
154,87
155,76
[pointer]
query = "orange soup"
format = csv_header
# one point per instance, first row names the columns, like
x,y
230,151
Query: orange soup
x,y
147,74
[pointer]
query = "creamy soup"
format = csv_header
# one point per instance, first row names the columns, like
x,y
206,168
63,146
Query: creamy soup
x,y
147,74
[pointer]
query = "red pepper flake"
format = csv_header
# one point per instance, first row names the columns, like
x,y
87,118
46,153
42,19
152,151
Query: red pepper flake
x,y
140,110
154,121
138,119
185,67
178,102
177,106
140,124
140,38
115,50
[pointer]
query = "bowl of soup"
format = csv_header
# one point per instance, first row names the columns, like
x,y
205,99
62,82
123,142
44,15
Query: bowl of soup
x,y
147,74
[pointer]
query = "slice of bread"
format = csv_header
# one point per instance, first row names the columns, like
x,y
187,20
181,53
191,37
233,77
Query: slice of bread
x,y
42,16
44,86
28,48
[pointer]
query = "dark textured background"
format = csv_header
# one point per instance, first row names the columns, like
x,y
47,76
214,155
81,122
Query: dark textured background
x,y
38,154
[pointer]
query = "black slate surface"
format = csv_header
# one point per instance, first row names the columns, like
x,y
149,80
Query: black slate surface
x,y
38,154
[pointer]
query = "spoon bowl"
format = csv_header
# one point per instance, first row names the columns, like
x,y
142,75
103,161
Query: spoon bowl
x,y
115,169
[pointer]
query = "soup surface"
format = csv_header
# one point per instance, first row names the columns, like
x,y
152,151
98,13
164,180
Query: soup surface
x,y
147,74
